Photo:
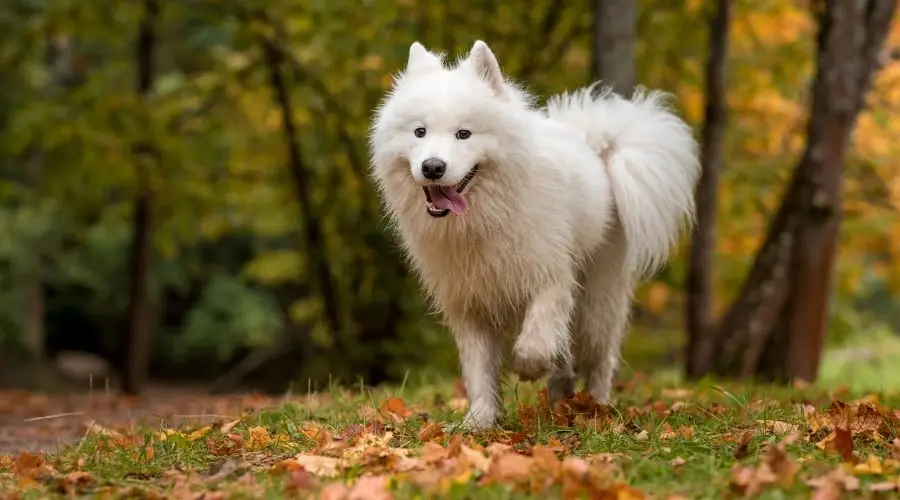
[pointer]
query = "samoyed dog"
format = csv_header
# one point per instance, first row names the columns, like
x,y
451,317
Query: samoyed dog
x,y
529,225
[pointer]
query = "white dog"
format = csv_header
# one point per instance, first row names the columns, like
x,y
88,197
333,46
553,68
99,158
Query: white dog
x,y
557,214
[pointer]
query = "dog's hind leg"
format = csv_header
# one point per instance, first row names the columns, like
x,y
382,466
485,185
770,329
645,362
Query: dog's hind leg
x,y
481,356
602,316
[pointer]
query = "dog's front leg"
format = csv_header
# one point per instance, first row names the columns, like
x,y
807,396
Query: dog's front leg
x,y
481,356
545,339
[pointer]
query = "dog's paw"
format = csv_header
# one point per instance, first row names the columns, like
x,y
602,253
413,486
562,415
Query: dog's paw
x,y
530,364
477,421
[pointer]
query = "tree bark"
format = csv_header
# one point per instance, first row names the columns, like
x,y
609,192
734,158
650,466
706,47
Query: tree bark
x,y
141,307
699,287
275,57
776,327
614,40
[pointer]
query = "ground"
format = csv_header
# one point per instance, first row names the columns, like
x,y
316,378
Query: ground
x,y
660,439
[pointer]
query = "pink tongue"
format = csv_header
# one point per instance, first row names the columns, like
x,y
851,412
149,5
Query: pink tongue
x,y
446,198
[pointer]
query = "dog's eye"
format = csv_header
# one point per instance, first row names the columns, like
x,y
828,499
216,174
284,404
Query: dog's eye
x,y
463,134
420,132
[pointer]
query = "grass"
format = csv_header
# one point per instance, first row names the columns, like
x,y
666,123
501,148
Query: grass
x,y
660,438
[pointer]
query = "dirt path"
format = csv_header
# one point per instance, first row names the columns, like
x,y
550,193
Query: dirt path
x,y
34,421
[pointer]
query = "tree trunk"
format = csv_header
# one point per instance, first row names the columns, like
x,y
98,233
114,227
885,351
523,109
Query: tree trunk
x,y
141,307
700,344
275,57
776,327
614,40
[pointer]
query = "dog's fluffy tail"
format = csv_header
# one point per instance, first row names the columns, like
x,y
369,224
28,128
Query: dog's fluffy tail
x,y
651,159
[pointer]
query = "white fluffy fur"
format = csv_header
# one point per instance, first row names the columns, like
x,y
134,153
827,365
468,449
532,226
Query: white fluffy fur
x,y
570,207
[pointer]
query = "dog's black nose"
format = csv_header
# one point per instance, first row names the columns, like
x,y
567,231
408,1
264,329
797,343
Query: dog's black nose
x,y
433,169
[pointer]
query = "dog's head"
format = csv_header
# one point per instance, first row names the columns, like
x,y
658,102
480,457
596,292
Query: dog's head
x,y
440,133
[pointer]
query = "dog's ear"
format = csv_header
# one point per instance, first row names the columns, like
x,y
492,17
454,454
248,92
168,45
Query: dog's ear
x,y
420,59
486,66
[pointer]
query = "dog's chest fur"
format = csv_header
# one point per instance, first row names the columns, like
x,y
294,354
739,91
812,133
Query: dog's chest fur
x,y
493,277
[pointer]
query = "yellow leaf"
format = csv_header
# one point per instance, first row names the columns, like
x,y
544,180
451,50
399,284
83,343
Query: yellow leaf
x,y
259,438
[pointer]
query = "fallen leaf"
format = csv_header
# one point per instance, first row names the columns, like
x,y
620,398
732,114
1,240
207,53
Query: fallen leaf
x,y
885,486
431,431
199,433
319,465
228,426
778,427
334,491
743,445
509,468
828,490
872,465
680,393
370,488
776,468
677,462
396,409
75,483
843,443
259,438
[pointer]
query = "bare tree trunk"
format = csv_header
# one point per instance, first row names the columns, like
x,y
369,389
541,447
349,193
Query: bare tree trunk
x,y
275,57
776,327
141,307
614,40
700,344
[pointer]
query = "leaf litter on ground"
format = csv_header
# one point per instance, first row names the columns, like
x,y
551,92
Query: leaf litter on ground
x,y
654,442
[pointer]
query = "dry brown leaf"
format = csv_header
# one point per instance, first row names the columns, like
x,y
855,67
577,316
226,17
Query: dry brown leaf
x,y
743,445
433,452
681,393
431,431
474,459
885,486
228,426
319,465
828,490
843,443
367,413
334,491
396,409
545,459
509,468
895,449
778,427
776,468
370,488
839,477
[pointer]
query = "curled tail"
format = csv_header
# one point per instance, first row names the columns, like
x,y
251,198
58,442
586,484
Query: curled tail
x,y
651,158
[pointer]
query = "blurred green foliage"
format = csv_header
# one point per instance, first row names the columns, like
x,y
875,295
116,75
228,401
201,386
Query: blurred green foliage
x,y
234,270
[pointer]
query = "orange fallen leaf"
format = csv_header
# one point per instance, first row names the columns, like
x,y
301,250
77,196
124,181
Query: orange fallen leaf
x,y
509,468
776,468
370,488
259,438
843,443
334,491
743,445
885,486
396,408
431,431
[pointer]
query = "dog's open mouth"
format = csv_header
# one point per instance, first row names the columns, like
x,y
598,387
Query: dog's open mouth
x,y
441,200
